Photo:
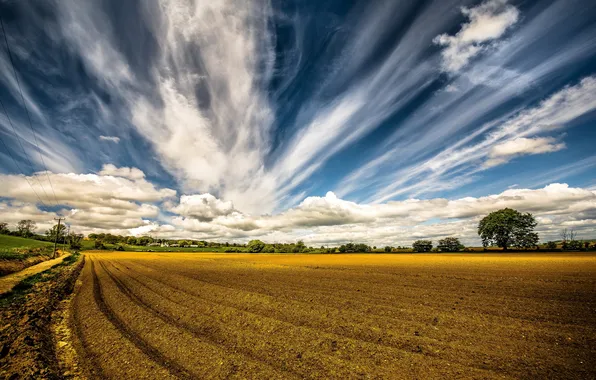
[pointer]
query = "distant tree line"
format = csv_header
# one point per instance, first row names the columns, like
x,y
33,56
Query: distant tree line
x,y
506,228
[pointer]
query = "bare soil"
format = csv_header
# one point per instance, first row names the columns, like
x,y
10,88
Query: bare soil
x,y
482,316
26,339
11,266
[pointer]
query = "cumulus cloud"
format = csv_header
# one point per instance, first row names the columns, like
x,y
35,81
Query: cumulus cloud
x,y
202,206
504,152
329,219
317,220
487,22
124,172
116,198
113,139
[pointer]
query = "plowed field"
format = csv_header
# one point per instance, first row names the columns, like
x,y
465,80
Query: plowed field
x,y
173,315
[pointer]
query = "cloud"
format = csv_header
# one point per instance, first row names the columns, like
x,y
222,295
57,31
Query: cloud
x,y
329,219
116,204
487,22
210,127
258,118
116,198
113,139
202,207
124,172
504,152
451,88
459,160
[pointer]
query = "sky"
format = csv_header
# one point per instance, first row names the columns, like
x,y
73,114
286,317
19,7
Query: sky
x,y
325,121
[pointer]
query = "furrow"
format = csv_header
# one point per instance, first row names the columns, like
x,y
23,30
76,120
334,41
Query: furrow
x,y
173,367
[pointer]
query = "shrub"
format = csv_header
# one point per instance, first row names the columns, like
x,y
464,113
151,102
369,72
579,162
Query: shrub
x,y
574,245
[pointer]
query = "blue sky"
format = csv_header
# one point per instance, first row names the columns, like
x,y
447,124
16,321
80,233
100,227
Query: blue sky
x,y
314,120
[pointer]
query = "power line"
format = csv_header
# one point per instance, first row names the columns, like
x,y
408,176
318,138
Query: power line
x,y
26,155
18,167
28,116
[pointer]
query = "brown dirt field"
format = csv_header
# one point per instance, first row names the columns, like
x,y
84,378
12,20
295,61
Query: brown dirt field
x,y
483,316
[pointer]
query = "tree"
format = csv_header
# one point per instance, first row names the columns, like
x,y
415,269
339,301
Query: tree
x,y
99,244
450,244
551,245
568,235
268,249
361,248
529,240
508,228
388,249
54,232
4,228
255,246
422,245
75,241
25,227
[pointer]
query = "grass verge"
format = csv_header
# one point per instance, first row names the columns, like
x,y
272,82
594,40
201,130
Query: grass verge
x,y
20,290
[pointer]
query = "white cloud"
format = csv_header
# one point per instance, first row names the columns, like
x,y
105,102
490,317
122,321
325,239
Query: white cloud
x,y
328,219
460,159
202,206
211,125
116,198
451,88
487,22
124,172
113,139
504,152
106,203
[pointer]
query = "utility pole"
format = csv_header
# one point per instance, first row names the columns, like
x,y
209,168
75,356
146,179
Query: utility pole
x,y
56,238
67,236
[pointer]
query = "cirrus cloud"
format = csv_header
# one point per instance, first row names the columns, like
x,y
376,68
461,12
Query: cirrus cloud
x,y
487,22
506,151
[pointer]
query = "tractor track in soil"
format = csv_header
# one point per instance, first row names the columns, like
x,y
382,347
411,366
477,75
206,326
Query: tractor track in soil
x,y
214,316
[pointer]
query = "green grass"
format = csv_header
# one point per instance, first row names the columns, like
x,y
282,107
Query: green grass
x,y
18,248
24,287
90,245
10,242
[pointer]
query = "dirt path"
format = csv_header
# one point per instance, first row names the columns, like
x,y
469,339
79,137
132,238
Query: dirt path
x,y
9,281
141,315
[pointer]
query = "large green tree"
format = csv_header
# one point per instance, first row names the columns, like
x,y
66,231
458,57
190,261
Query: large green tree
x,y
508,228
